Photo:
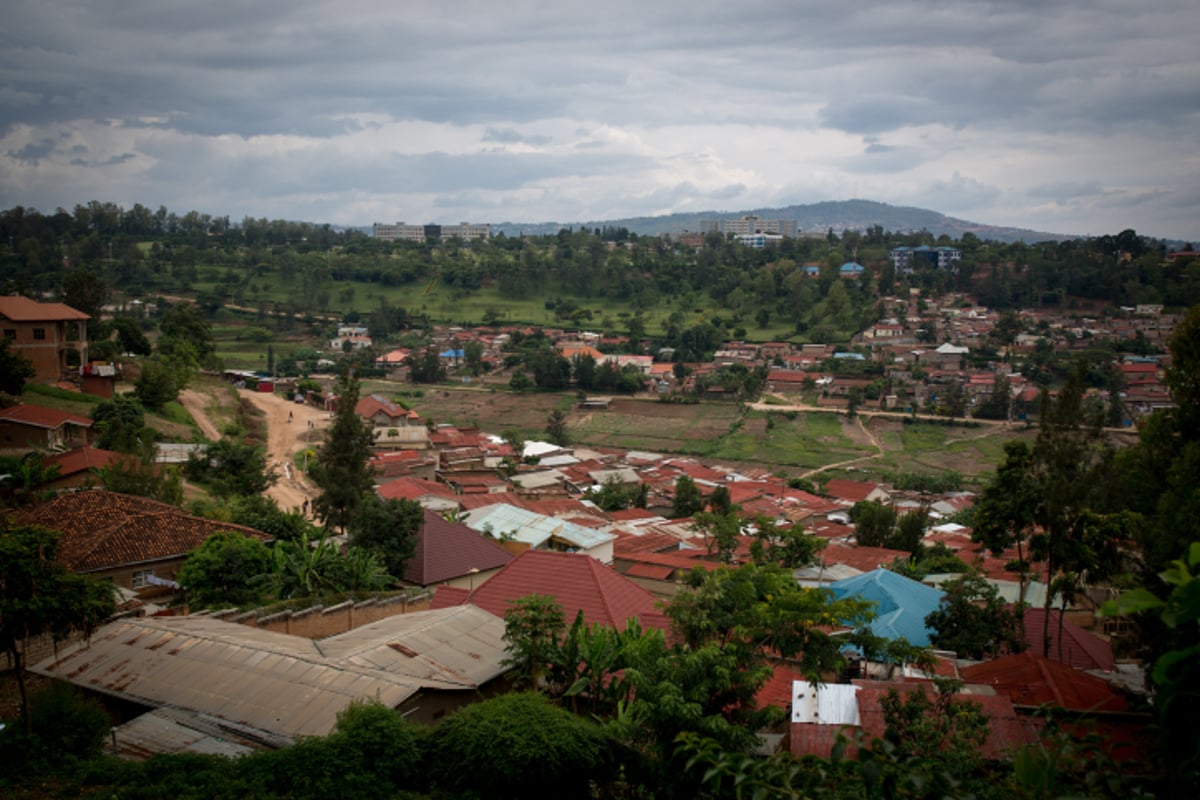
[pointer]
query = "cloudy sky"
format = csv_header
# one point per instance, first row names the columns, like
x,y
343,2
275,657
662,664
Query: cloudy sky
x,y
1073,116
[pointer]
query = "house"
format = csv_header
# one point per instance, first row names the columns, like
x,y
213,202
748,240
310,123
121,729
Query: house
x,y
267,688
50,335
1075,647
451,554
25,427
77,467
901,604
132,541
539,531
577,583
383,413
822,713
851,492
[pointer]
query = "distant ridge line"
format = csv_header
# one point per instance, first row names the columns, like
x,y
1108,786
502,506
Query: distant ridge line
x,y
812,218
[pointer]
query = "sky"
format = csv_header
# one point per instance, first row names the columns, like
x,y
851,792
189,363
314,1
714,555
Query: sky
x,y
1068,116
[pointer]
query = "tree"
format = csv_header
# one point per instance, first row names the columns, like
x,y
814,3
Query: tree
x,y
518,745
974,622
387,528
556,428
39,596
182,324
15,369
790,548
119,421
232,468
742,614
139,474
874,523
998,402
228,569
532,627
1004,515
84,290
426,367
341,469
473,357
720,532
687,500
1175,670
130,337
157,384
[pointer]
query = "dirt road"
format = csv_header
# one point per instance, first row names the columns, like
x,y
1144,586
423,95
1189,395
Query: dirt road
x,y
196,404
289,426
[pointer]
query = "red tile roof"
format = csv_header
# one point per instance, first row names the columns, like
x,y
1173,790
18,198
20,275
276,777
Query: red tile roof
x,y
628,544
413,488
1031,680
577,582
40,417
447,550
1080,649
22,309
81,459
854,491
1007,732
102,530
863,558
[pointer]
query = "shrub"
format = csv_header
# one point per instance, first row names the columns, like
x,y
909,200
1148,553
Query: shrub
x,y
518,745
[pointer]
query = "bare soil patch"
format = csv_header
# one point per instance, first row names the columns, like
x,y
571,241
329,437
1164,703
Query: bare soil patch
x,y
290,428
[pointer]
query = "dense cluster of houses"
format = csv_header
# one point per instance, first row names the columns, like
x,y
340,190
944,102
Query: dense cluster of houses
x,y
500,524
906,361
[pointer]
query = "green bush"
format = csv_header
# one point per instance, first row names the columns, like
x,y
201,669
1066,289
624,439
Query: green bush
x,y
67,723
517,746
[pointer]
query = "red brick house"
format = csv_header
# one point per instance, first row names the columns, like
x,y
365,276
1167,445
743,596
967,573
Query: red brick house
x,y
26,427
44,333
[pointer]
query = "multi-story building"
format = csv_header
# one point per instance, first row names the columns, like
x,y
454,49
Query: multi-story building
x,y
44,333
749,226
906,259
401,232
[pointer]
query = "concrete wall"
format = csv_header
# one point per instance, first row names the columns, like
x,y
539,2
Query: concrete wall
x,y
317,622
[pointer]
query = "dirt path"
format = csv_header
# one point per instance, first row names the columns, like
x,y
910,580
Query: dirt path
x,y
288,426
196,404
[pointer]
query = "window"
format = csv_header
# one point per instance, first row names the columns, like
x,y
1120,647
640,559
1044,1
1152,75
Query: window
x,y
10,333
140,576
39,334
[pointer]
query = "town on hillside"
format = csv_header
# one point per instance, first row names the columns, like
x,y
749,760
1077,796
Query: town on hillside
x,y
292,518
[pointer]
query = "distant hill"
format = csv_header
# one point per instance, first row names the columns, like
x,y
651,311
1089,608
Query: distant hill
x,y
812,218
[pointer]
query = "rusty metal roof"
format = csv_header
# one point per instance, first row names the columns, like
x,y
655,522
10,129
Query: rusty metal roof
x,y
267,681
461,647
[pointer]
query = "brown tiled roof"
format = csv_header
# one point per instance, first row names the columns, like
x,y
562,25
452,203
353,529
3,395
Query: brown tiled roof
x,y
81,459
22,309
40,417
102,530
448,550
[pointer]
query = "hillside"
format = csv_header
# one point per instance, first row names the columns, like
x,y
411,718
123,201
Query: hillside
x,y
813,217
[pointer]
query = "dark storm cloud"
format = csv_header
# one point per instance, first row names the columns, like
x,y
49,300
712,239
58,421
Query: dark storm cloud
x,y
989,99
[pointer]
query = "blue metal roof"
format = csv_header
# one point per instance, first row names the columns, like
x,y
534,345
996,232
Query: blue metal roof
x,y
901,604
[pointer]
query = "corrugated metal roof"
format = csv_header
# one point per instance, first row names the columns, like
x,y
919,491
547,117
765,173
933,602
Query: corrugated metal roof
x,y
532,528
453,648
901,604
167,730
268,681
